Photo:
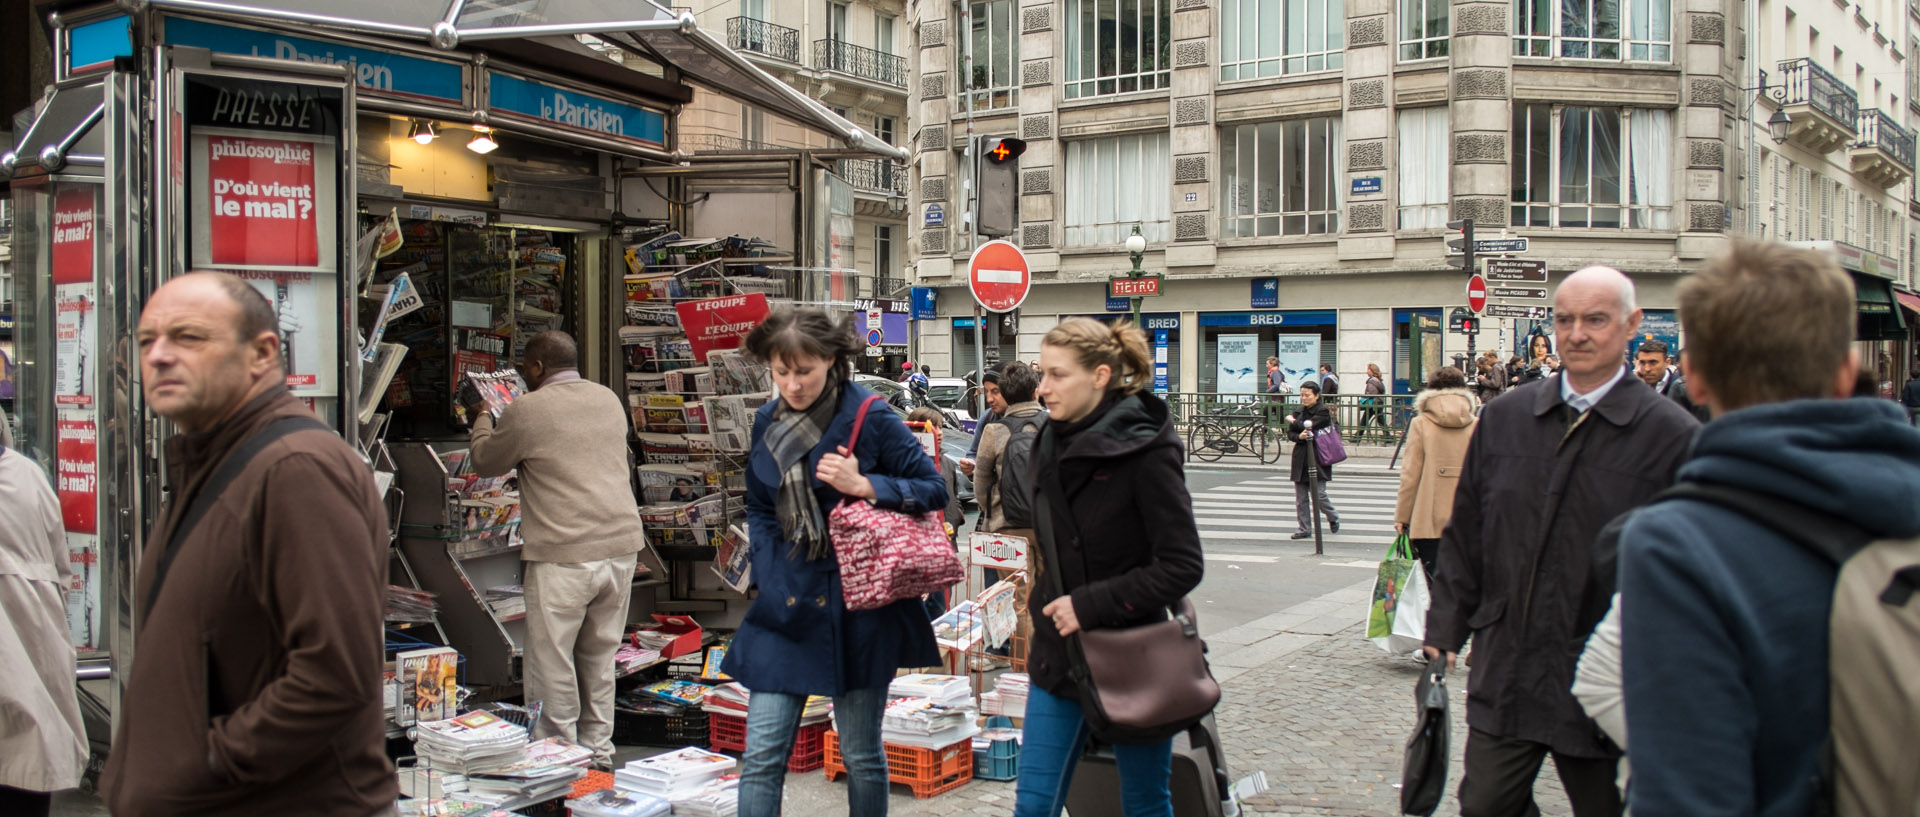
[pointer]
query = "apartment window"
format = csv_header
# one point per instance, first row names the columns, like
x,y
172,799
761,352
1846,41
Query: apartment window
x,y
1873,216
883,33
1594,29
753,126
1267,38
882,252
837,22
1423,29
1423,168
1913,73
1115,183
884,127
996,56
1279,178
1576,166
1118,46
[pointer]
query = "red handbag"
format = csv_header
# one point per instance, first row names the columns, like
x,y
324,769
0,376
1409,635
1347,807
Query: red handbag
x,y
884,555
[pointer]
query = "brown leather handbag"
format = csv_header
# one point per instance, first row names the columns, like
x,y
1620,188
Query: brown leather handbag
x,y
1139,684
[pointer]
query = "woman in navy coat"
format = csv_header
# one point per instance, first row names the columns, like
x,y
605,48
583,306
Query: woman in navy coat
x,y
798,638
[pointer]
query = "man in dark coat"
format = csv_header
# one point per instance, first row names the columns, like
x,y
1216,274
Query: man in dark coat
x,y
1553,463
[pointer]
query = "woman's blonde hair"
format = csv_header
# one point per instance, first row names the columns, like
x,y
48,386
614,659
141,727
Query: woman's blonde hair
x,y
1121,347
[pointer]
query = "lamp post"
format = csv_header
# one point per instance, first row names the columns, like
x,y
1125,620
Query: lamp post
x,y
1137,248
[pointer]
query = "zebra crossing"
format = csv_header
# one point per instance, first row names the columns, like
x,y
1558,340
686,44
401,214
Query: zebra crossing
x,y
1261,511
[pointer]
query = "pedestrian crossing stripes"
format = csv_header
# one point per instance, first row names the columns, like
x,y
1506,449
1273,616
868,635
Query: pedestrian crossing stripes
x,y
1261,510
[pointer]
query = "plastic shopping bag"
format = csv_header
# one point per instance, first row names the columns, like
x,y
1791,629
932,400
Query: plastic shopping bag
x,y
1397,612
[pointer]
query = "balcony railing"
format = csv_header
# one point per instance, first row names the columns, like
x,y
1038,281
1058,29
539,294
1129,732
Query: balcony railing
x,y
865,63
874,175
1878,130
1802,81
762,37
719,141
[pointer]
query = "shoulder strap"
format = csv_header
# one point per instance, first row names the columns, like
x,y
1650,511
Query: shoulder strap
x,y
860,419
1832,537
230,468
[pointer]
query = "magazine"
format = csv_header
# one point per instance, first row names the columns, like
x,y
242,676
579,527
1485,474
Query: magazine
x,y
710,668
730,419
997,601
960,628
734,373
376,374
493,391
690,693
428,685
732,560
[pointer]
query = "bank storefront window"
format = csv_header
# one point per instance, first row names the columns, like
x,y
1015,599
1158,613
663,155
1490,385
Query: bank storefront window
x,y
1302,339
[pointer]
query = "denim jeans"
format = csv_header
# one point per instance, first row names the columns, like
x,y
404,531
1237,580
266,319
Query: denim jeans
x,y
1050,746
773,721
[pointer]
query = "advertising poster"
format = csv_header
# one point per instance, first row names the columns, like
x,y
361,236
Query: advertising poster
x,y
1662,325
721,323
1238,357
75,336
263,201
308,330
1299,359
73,235
76,471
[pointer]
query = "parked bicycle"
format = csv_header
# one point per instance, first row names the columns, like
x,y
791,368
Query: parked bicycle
x,y
1229,430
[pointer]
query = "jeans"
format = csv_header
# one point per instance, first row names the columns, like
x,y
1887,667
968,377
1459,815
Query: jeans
x,y
773,720
1302,509
1056,733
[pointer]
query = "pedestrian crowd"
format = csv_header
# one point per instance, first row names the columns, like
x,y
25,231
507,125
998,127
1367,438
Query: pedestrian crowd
x,y
1736,595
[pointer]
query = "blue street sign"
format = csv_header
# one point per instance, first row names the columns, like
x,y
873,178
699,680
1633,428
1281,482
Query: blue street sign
x,y
1363,185
1160,361
95,44
936,215
926,303
372,69
595,114
1266,293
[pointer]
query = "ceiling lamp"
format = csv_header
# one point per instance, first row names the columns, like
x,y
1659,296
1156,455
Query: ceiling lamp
x,y
423,132
482,140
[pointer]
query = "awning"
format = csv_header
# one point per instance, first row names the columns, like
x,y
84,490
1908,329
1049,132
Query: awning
x,y
1878,317
675,41
1908,300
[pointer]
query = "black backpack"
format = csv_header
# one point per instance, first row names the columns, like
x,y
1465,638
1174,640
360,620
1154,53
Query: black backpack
x,y
1016,469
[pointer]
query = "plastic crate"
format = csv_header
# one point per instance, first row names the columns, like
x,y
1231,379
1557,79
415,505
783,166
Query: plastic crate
x,y
595,780
1001,759
686,728
928,772
728,733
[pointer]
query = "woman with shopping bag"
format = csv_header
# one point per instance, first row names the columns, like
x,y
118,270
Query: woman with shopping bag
x,y
1120,549
1436,448
1310,495
825,440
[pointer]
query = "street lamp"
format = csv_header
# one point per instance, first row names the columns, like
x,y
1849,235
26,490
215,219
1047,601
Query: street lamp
x,y
1778,125
1137,248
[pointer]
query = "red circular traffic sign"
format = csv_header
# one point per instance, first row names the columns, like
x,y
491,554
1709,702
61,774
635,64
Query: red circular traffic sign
x,y
998,276
1477,294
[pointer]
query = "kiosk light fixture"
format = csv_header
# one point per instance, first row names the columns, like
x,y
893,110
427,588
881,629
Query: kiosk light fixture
x,y
482,142
422,132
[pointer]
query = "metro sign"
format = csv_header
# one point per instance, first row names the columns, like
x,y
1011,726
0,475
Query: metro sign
x,y
1129,287
998,276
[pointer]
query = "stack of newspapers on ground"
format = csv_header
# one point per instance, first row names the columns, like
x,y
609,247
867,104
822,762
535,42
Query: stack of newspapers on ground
x,y
618,803
532,773
475,740
731,699
929,711
697,783
1008,696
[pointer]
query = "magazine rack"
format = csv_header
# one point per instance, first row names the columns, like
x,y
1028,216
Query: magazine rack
x,y
459,563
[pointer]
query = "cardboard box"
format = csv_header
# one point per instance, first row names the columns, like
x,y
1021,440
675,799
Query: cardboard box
x,y
684,629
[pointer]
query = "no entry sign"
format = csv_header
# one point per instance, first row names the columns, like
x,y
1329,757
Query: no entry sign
x,y
998,276
1477,294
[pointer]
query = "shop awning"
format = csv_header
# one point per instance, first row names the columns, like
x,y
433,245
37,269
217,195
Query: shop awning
x,y
675,41
1908,300
1879,319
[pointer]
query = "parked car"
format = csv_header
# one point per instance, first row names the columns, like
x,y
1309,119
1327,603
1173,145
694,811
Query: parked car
x,y
955,441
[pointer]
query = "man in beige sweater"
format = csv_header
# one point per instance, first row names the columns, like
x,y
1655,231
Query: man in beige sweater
x,y
568,438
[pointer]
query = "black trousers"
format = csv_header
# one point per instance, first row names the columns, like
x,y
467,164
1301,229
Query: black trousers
x,y
1500,772
25,803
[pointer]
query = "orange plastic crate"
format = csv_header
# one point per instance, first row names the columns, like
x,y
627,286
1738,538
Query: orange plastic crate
x,y
595,780
928,772
728,733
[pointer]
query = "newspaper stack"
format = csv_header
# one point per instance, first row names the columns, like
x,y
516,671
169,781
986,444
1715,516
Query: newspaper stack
x,y
471,742
618,803
507,600
631,658
721,798
925,724
405,604
523,782
676,775
1008,696
951,690
731,699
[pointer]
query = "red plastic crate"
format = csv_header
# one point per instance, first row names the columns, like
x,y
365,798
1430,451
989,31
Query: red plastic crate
x,y
728,733
928,772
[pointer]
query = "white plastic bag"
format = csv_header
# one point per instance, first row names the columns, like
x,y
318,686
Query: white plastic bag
x,y
1397,610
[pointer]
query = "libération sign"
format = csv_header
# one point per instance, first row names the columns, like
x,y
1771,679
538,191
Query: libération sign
x,y
599,115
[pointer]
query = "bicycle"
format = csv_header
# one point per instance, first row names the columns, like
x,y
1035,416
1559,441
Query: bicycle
x,y
1231,431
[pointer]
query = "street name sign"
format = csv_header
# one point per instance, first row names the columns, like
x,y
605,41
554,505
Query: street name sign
x,y
1516,271
1535,313
998,276
1525,293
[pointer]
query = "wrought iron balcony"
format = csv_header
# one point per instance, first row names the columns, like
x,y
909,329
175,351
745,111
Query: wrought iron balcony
x,y
1884,153
762,37
874,175
1824,109
858,61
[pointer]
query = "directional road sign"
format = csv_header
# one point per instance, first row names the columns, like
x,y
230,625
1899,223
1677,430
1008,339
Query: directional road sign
x,y
1516,271
1536,313
1476,293
1525,293
998,276
1494,246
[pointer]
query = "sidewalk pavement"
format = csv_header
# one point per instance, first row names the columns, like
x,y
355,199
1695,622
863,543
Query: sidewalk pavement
x,y
1306,698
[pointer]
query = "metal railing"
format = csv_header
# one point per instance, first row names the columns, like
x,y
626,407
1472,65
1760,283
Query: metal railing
x,y
1803,81
1372,419
874,175
720,141
762,37
859,61
1878,130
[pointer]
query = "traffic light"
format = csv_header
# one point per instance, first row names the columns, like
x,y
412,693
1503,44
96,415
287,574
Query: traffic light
x,y
998,185
1470,325
1460,247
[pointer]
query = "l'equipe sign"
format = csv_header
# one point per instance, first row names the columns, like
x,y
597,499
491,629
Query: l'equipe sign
x,y
721,323
594,114
999,276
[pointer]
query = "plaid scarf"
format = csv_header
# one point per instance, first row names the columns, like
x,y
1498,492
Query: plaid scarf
x,y
791,439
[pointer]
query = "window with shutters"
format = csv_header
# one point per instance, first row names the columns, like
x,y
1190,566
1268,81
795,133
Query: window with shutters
x,y
1805,204
1873,215
1777,219
1847,231
1826,207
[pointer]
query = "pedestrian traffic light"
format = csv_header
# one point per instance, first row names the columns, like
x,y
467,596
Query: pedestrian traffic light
x,y
1460,245
998,185
1470,325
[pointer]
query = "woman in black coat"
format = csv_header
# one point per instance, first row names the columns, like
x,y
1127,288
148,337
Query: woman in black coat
x,y
1118,537
1304,497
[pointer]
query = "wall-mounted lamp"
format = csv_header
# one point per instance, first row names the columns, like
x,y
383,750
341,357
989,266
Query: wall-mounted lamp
x,y
482,142
1779,125
422,131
